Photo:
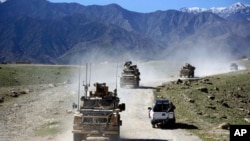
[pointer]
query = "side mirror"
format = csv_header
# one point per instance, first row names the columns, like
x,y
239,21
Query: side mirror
x,y
122,107
74,106
149,108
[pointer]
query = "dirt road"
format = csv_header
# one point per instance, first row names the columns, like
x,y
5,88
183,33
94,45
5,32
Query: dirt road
x,y
136,124
43,110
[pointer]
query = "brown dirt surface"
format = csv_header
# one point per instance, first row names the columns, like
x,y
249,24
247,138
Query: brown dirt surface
x,y
42,109
42,112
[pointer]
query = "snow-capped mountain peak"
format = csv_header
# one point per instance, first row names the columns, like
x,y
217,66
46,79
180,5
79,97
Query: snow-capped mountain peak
x,y
242,10
238,5
193,9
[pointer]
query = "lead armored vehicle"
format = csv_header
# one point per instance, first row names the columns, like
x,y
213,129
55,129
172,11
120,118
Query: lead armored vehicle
x,y
187,71
130,76
99,114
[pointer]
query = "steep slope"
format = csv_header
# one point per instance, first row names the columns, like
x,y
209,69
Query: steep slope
x,y
43,37
179,31
44,32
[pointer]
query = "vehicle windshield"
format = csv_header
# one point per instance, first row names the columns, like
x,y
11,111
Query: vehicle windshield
x,y
160,107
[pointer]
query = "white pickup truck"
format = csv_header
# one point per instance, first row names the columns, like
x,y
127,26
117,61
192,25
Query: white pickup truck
x,y
162,113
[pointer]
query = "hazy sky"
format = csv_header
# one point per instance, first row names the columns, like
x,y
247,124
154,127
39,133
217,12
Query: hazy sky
x,y
154,5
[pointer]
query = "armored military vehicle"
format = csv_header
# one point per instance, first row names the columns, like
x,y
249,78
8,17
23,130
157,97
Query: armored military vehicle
x,y
187,71
98,114
233,67
130,77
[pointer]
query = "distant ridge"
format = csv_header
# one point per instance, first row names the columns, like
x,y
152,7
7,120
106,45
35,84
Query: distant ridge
x,y
39,31
237,10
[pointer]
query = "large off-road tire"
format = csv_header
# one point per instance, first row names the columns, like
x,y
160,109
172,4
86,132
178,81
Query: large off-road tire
x,y
137,85
172,122
77,137
117,136
114,138
153,125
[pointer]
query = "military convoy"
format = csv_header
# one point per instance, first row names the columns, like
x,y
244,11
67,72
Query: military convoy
x,y
98,114
130,77
187,71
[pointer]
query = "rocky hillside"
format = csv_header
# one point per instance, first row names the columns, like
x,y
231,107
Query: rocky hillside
x,y
44,32
211,103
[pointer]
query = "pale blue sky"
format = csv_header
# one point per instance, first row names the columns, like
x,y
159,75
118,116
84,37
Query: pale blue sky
x,y
146,6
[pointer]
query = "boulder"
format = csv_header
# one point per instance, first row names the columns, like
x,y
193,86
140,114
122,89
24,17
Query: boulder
x,y
224,126
179,81
1,99
203,89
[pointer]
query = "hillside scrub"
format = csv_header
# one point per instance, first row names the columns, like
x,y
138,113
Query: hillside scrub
x,y
211,103
19,75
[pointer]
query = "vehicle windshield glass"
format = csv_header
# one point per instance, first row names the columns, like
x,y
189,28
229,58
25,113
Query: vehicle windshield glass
x,y
160,107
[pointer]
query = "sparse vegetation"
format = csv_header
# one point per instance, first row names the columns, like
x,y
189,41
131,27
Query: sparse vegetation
x,y
20,75
211,101
25,86
51,128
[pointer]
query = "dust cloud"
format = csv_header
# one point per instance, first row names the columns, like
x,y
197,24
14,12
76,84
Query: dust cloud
x,y
209,57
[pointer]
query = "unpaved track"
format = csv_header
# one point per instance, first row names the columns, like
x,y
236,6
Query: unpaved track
x,y
136,124
39,107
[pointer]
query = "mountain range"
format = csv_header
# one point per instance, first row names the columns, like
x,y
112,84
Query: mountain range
x,y
237,11
60,33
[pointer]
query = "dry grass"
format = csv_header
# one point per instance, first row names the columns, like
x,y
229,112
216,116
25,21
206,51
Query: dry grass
x,y
210,101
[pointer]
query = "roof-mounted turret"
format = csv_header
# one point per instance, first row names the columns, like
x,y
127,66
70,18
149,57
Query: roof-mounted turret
x,y
101,90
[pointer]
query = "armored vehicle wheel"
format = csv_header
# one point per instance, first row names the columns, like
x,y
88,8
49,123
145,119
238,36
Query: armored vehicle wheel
x,y
153,125
114,138
78,137
137,86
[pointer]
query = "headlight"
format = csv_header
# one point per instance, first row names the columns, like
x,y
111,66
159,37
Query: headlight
x,y
77,120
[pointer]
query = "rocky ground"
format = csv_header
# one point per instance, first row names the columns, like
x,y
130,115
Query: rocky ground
x,y
211,103
41,111
44,111
46,114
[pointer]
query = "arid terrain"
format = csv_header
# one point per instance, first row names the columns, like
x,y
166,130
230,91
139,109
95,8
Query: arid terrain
x,y
37,103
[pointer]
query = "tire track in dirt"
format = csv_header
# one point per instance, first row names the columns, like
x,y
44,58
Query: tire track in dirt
x,y
136,123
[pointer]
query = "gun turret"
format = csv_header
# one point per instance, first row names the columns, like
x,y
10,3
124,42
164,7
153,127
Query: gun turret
x,y
101,90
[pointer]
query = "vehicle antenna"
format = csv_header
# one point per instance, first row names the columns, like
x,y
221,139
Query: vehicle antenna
x,y
116,75
79,85
89,74
86,85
